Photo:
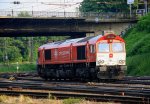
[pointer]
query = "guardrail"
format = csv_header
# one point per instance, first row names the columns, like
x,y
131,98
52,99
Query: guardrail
x,y
46,14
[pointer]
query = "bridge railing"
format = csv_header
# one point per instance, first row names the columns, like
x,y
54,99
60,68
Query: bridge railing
x,y
109,15
46,14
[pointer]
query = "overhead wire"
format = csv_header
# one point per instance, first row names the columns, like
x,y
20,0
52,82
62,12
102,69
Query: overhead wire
x,y
63,8
60,8
62,5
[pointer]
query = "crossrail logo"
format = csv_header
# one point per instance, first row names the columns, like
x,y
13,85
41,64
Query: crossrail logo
x,y
64,52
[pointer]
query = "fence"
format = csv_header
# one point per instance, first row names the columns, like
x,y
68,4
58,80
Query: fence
x,y
46,14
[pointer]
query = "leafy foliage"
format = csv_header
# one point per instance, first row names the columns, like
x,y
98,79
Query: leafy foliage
x,y
138,47
137,38
104,6
24,14
143,24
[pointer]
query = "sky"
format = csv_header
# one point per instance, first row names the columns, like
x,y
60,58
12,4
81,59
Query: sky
x,y
40,5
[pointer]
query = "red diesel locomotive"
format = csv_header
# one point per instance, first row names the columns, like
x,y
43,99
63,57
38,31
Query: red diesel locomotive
x,y
96,57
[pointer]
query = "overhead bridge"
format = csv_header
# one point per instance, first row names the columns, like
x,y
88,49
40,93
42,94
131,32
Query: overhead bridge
x,y
13,24
17,27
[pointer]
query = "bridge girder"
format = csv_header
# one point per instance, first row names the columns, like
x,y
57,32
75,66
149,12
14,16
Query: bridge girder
x,y
73,27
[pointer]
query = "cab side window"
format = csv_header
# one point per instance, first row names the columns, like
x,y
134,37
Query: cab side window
x,y
48,54
92,48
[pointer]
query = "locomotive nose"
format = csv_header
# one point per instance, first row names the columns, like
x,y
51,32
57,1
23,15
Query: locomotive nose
x,y
116,60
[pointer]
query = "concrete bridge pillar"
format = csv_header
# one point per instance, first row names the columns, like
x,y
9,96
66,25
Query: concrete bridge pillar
x,y
117,27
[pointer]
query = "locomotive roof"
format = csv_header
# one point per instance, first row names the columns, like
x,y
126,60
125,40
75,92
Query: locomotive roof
x,y
85,39
68,42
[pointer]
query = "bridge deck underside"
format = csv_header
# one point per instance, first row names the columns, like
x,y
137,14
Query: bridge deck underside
x,y
73,27
16,27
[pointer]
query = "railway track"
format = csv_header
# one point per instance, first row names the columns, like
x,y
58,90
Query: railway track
x,y
120,91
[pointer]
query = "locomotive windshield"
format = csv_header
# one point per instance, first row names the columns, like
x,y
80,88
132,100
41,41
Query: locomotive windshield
x,y
117,47
103,47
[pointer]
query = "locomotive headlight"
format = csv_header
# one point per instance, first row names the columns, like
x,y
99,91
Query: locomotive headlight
x,y
121,61
100,61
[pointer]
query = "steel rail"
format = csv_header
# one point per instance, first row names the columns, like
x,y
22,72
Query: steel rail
x,y
98,91
126,80
89,84
79,88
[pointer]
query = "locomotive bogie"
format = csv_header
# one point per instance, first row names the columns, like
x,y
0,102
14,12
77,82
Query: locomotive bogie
x,y
67,71
111,72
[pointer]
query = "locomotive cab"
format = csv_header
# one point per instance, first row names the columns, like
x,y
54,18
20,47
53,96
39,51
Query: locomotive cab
x,y
111,57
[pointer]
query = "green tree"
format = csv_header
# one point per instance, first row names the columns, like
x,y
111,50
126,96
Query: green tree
x,y
24,14
14,54
1,49
1,55
104,6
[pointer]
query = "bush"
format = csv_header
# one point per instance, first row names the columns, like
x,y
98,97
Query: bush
x,y
143,24
138,65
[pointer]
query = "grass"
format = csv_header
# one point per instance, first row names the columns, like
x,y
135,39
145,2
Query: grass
x,y
72,101
21,67
29,100
26,100
138,65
